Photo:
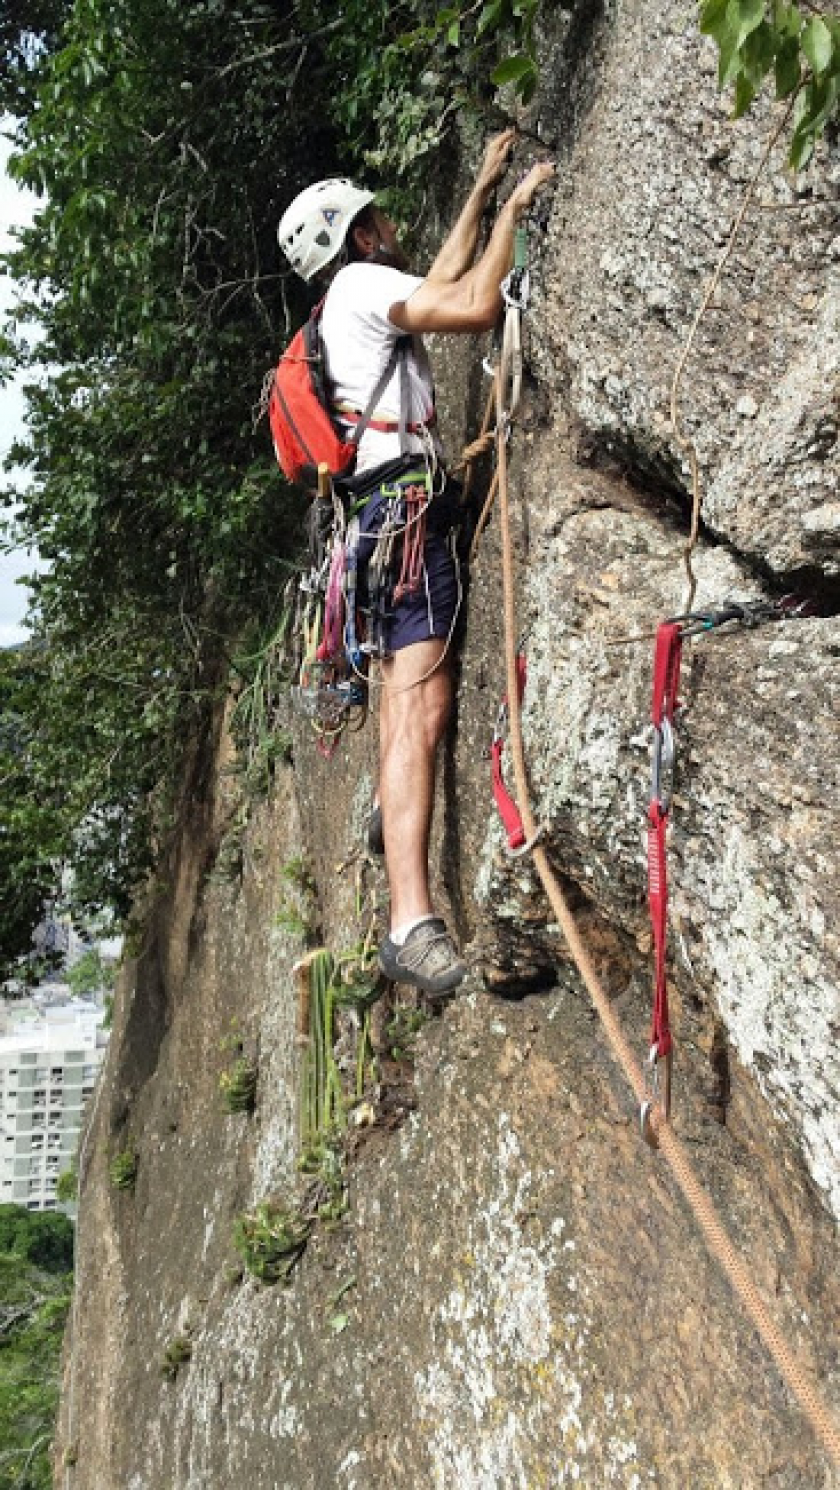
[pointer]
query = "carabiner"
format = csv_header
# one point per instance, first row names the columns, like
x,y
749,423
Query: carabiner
x,y
516,289
663,765
657,1076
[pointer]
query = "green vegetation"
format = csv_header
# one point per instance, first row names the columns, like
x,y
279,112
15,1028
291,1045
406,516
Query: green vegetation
x,y
36,1259
122,1171
67,1186
91,975
297,908
798,49
402,1032
164,141
238,1086
270,1240
178,1352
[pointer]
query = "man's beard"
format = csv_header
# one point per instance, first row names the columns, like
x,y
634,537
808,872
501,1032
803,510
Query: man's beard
x,y
394,258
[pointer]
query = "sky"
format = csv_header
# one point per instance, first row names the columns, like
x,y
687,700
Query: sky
x,y
16,207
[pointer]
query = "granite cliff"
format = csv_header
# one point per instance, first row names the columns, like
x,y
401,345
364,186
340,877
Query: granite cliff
x,y
517,1295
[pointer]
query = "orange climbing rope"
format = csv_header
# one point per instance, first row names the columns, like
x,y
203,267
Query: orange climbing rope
x,y
797,1376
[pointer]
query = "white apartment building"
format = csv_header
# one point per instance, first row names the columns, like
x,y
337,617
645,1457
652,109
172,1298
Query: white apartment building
x,y
50,1053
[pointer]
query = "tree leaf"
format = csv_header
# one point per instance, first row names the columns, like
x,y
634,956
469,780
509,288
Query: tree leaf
x,y
788,68
787,19
744,95
713,16
801,149
817,44
749,15
491,17
512,69
759,52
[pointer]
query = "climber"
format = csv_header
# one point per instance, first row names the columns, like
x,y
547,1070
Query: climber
x,y
335,234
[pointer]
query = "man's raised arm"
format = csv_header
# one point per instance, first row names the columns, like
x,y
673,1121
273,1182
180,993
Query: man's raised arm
x,y
458,252
473,300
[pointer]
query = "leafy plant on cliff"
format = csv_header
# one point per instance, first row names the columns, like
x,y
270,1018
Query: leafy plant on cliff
x,y
122,1171
238,1085
36,1252
797,47
270,1239
177,1353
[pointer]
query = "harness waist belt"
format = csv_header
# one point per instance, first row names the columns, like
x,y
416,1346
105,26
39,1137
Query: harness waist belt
x,y
385,426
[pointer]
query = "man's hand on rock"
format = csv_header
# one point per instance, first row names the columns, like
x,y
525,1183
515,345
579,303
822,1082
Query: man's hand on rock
x,y
495,163
523,195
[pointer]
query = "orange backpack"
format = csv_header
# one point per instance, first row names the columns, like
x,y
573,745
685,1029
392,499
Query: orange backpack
x,y
305,433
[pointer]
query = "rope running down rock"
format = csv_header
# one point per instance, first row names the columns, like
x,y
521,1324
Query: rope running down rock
x,y
798,1378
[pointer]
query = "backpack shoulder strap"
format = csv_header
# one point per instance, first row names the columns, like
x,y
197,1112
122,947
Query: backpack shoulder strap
x,y
399,354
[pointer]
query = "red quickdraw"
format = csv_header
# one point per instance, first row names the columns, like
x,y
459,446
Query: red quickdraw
x,y
666,675
506,807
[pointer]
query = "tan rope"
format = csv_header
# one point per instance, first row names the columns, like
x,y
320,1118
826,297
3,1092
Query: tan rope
x,y
798,1378
480,446
484,442
681,438
484,515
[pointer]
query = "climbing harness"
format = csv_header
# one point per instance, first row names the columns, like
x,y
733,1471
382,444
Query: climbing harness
x,y
342,633
795,1373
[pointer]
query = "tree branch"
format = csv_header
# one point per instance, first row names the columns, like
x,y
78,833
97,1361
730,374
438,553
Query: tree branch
x,y
281,46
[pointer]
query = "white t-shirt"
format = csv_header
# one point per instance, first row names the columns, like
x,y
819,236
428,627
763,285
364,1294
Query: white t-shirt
x,y
358,341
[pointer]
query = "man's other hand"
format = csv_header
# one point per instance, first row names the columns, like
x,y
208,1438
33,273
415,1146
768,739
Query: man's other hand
x,y
496,157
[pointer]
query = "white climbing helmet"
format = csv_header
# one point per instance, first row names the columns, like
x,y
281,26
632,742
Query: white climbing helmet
x,y
313,227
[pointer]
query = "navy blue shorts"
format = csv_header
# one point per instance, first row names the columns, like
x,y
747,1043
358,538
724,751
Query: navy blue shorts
x,y
430,610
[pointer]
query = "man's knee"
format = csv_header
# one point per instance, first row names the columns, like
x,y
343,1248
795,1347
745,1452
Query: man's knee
x,y
420,714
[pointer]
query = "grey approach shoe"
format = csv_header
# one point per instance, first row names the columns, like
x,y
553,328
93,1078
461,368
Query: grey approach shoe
x,y
427,960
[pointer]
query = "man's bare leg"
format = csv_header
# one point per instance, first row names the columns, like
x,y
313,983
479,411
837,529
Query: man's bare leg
x,y
412,720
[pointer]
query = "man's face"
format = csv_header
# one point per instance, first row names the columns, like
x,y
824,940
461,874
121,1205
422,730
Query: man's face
x,y
388,240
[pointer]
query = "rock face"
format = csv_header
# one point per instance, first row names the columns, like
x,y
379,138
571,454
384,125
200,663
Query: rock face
x,y
518,1296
